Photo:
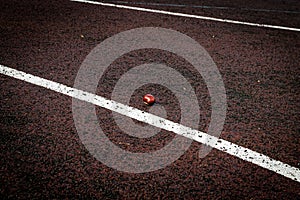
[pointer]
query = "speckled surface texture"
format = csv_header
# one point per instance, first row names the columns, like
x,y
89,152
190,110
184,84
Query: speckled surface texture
x,y
42,155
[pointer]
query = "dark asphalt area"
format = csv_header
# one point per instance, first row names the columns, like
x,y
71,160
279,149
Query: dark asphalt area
x,y
42,156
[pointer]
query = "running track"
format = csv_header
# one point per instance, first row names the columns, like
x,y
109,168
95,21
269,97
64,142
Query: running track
x,y
42,155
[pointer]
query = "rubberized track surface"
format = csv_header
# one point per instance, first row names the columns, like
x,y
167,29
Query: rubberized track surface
x,y
42,155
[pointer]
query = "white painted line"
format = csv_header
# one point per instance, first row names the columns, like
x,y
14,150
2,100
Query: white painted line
x,y
188,15
220,144
203,7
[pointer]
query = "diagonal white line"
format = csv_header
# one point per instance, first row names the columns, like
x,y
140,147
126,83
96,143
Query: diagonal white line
x,y
203,6
187,15
220,144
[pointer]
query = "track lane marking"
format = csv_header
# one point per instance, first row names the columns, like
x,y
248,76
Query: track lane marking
x,y
188,15
204,7
199,136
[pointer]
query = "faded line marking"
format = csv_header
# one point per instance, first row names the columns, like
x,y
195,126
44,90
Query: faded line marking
x,y
188,15
204,7
199,136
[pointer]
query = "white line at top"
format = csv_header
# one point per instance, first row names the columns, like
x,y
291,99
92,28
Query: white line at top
x,y
203,7
188,15
220,144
